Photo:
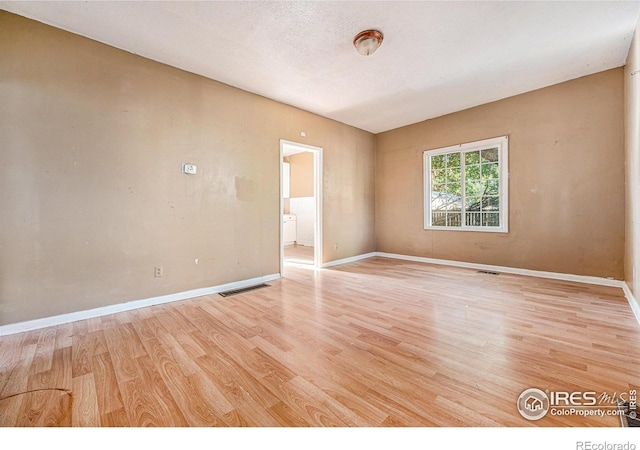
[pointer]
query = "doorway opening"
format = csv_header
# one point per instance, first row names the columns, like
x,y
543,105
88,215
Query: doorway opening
x,y
300,204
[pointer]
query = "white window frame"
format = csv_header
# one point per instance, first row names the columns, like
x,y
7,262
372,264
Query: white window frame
x,y
502,143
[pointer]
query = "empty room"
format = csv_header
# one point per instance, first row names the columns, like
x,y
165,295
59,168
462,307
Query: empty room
x,y
319,214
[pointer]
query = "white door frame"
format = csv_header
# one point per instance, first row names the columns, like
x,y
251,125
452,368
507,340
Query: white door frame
x,y
317,193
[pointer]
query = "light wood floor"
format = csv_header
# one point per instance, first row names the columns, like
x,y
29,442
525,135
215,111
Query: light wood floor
x,y
299,254
376,343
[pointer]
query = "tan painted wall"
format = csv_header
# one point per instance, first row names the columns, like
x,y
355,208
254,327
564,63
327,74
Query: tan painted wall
x,y
92,197
566,155
301,174
632,154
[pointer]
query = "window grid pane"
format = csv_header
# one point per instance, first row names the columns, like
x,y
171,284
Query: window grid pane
x,y
453,220
439,219
466,185
490,219
489,155
473,219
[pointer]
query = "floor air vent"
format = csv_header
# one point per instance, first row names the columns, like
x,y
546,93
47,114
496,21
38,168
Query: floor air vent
x,y
241,290
488,272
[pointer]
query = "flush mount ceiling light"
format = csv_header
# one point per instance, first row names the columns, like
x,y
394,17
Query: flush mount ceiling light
x,y
367,42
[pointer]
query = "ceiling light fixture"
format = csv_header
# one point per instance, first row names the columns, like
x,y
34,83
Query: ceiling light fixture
x,y
367,42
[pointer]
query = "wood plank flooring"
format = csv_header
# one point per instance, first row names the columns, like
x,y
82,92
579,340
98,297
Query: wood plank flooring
x,y
299,254
380,342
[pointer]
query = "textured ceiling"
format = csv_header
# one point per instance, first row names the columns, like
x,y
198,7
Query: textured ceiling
x,y
436,58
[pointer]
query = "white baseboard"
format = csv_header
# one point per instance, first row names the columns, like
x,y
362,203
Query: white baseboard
x,y
633,302
504,269
305,243
337,262
514,270
135,304
128,306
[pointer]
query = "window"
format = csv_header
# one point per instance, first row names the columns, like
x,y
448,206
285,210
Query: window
x,y
466,187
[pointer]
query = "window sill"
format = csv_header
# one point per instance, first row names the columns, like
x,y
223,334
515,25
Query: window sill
x,y
477,229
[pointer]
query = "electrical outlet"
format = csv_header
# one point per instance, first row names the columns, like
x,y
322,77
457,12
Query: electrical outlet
x,y
335,246
189,169
159,271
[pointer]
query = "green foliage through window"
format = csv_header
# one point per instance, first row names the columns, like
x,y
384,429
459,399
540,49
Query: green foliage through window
x,y
465,188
